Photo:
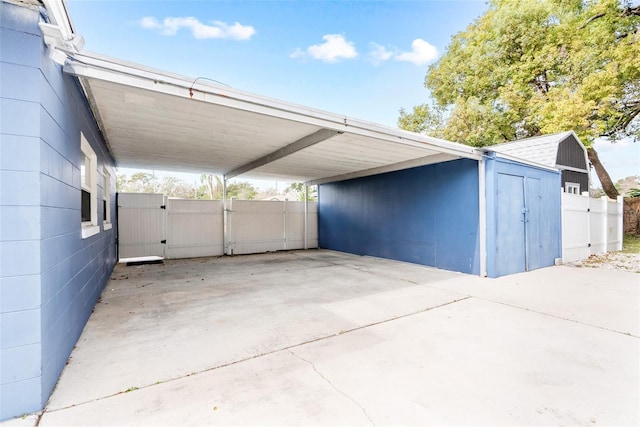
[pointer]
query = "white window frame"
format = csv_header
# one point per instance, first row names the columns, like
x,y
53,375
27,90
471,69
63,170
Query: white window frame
x,y
89,184
106,197
572,188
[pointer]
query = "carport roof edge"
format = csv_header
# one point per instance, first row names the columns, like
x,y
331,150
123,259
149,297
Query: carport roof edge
x,y
293,122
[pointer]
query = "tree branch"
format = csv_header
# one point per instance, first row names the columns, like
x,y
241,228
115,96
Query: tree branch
x,y
631,11
590,20
627,11
623,35
629,118
624,121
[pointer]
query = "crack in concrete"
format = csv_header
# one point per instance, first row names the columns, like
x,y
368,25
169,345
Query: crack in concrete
x,y
364,411
266,353
555,316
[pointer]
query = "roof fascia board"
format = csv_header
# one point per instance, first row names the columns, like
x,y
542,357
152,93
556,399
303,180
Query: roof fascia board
x,y
58,15
570,168
523,161
423,161
119,72
559,136
302,143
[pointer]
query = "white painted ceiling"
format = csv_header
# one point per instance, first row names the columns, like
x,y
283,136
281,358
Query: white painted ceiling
x,y
158,120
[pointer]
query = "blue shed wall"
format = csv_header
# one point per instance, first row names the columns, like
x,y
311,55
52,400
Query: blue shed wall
x,y
426,215
542,201
50,277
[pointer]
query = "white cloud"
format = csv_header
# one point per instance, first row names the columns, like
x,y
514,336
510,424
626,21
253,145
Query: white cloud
x,y
379,53
422,52
149,23
217,30
334,48
298,53
603,145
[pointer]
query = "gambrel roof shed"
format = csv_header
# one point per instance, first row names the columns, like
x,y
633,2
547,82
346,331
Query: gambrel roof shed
x,y
563,151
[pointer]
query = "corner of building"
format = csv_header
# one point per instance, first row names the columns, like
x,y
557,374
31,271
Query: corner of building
x,y
50,276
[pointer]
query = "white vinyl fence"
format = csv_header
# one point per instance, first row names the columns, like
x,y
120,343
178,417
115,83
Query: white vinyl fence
x,y
152,225
590,226
261,226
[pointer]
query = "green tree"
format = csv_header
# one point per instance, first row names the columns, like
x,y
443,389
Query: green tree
x,y
626,186
526,68
121,183
298,188
140,182
213,186
241,190
174,187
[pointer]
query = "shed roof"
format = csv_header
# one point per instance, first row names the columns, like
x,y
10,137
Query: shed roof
x,y
156,119
542,150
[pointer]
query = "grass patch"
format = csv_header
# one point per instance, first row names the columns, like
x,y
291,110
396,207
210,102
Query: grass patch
x,y
631,244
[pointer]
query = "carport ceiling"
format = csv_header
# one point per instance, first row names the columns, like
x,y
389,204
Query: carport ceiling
x,y
158,120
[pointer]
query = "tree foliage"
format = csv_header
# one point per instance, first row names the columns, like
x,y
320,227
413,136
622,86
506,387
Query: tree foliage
x,y
210,187
629,186
213,185
526,68
241,190
298,188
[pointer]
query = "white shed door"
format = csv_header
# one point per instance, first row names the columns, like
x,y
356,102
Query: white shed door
x,y
141,225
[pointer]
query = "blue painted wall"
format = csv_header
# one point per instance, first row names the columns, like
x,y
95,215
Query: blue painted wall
x,y
426,215
50,277
512,245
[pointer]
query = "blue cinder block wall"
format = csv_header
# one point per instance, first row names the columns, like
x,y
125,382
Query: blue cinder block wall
x,y
50,277
522,242
426,215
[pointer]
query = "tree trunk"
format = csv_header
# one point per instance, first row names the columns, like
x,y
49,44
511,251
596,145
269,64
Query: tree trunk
x,y
603,175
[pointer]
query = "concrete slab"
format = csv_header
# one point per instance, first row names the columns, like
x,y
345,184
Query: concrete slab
x,y
470,362
326,338
161,322
598,297
478,362
265,390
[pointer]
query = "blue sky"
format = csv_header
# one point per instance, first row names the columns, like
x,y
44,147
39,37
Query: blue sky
x,y
364,59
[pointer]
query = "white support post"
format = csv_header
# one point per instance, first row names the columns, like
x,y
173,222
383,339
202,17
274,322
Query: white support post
x,y
284,218
482,216
230,236
620,221
165,221
604,205
306,214
589,243
562,215
225,219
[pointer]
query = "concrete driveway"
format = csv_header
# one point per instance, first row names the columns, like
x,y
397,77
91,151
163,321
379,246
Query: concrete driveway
x,y
325,338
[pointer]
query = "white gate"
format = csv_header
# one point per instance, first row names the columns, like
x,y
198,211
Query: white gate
x,y
194,228
140,225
